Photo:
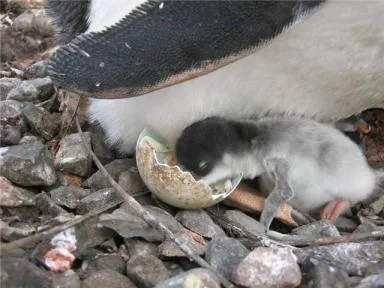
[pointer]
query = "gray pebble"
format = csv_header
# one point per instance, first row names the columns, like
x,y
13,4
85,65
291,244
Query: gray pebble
x,y
68,196
35,90
27,165
6,85
107,278
11,122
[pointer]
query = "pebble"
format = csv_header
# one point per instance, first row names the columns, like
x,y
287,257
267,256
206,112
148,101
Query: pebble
x,y
90,234
41,122
268,267
6,85
224,254
11,122
194,278
34,90
194,241
13,196
32,277
47,206
99,147
37,70
140,247
108,261
107,278
324,276
322,228
198,221
72,156
372,281
27,165
69,196
249,224
30,139
131,181
98,181
67,279
129,225
146,270
96,200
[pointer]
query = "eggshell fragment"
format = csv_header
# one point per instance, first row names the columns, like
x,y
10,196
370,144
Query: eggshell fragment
x,y
159,171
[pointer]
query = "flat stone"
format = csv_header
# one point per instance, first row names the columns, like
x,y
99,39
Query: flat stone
x,y
11,122
131,181
97,200
47,206
324,276
69,196
90,234
108,261
100,147
98,181
32,277
30,139
224,254
35,90
9,233
194,241
194,278
72,156
322,228
129,225
268,267
6,85
41,121
249,224
173,268
67,279
146,270
140,247
27,165
13,196
34,21
199,221
107,278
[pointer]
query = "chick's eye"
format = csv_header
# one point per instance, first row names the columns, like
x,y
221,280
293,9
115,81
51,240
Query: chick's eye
x,y
203,168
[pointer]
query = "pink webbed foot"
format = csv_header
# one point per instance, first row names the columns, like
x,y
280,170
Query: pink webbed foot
x,y
333,209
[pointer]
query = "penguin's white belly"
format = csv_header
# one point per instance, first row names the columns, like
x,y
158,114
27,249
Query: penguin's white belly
x,y
328,67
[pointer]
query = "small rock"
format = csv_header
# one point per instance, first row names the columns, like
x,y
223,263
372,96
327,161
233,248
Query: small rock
x,y
198,221
27,165
98,181
372,281
97,200
68,196
33,21
194,278
11,122
322,228
131,181
6,85
345,224
35,90
324,276
146,270
108,261
89,234
13,233
72,156
268,267
225,253
107,278
18,272
194,241
29,139
67,279
13,196
37,70
99,147
173,268
41,122
366,227
47,206
140,247
249,224
129,225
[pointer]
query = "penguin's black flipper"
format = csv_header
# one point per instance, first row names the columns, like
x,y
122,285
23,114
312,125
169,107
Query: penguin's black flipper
x,y
163,43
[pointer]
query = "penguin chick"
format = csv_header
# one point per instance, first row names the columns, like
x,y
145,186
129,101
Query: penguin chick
x,y
310,163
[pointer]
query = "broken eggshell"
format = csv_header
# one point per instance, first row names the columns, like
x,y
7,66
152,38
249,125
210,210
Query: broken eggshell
x,y
158,168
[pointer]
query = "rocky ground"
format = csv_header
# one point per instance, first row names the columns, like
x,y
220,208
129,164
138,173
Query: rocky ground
x,y
47,179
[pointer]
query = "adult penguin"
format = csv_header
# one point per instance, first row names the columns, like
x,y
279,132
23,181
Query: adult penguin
x,y
166,64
